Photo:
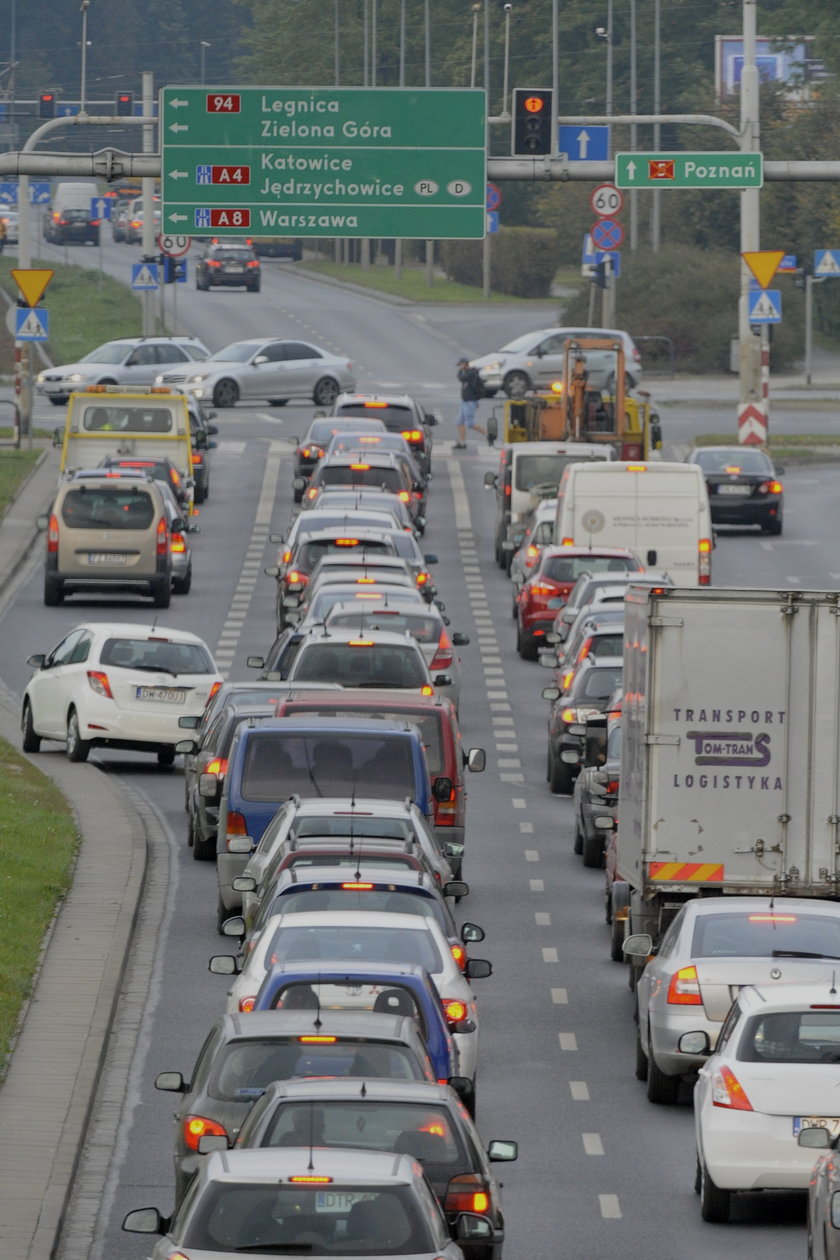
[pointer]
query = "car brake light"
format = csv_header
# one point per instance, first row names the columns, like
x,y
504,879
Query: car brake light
x,y
162,545
412,435
346,542
178,545
423,578
531,555
246,1004
426,690
196,457
360,643
467,1193
360,467
611,787
404,496
215,765
312,1038
637,467
236,825
252,262
772,918
567,542
357,886
732,468
99,683
213,690
52,534
770,487
568,716
727,1091
684,989
704,548
212,262
444,655
460,956
454,1009
312,1180
196,1127
541,588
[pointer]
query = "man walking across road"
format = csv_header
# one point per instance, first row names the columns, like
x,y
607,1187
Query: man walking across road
x,y
472,389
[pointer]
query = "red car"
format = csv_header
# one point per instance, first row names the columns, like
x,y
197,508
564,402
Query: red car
x,y
548,587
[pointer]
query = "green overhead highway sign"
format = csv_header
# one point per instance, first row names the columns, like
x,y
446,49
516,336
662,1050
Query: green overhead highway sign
x,y
401,162
688,170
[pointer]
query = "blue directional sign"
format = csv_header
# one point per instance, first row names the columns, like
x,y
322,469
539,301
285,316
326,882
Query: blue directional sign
x,y
144,275
788,263
765,306
590,254
584,143
611,257
38,192
827,262
100,207
31,324
492,220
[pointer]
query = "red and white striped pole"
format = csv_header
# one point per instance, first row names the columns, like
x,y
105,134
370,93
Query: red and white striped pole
x,y
765,376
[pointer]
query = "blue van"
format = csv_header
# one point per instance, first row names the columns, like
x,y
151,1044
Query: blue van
x,y
273,758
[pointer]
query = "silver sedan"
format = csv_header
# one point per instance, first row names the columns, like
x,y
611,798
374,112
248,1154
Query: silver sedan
x,y
711,950
265,369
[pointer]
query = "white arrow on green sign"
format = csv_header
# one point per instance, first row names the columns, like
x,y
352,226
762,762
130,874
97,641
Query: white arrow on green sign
x,y
342,162
689,170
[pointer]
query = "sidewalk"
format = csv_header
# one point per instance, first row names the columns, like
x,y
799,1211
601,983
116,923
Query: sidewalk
x,y
48,1092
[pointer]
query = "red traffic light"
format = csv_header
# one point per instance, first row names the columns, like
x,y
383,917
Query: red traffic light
x,y
534,104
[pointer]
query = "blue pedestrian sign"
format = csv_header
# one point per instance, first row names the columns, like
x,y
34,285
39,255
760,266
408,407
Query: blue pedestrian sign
x,y
31,324
144,275
827,262
100,207
584,143
765,306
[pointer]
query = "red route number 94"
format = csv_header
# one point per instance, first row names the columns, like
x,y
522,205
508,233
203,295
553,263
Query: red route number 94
x,y
229,103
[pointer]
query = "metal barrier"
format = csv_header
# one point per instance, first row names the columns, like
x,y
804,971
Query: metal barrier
x,y
666,352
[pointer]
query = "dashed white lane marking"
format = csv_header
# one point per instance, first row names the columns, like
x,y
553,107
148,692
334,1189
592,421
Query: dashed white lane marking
x,y
579,1091
542,918
537,885
610,1207
592,1143
500,748
512,777
568,1041
560,997
549,954
510,763
231,448
526,829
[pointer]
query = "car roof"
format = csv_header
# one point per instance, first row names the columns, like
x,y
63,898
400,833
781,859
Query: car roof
x,y
341,636
358,919
597,553
325,725
278,1163
361,697
331,1022
396,973
378,459
789,997
360,806
377,1089
404,879
700,907
139,629
389,399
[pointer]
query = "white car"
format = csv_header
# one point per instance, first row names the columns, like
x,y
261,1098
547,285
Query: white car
x,y
775,1072
359,936
266,369
117,685
373,658
535,360
125,361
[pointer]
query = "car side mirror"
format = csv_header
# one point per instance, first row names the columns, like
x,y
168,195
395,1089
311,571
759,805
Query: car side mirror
x,y
210,1142
442,680
272,570
462,1085
442,788
455,888
431,421
471,934
478,969
244,884
814,1138
255,662
145,1221
502,1151
430,558
171,1082
460,640
37,660
42,522
491,480
476,760
234,926
551,693
179,525
186,746
224,965
298,483
638,948
472,1228
260,358
695,1043
190,721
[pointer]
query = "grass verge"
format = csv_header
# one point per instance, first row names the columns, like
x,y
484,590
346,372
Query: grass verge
x,y
15,467
36,858
411,285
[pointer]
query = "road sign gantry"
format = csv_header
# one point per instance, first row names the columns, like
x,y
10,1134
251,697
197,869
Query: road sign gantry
x,y
337,162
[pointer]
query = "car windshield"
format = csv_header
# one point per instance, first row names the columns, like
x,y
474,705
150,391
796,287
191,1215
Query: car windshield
x,y
792,1037
277,765
354,944
599,684
360,664
537,470
157,655
243,1069
108,507
346,1220
757,933
236,352
311,552
743,460
526,342
111,352
391,900
408,1128
569,568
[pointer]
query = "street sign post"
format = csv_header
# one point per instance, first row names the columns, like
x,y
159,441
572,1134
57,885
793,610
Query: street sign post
x,y
689,170
338,162
584,144
606,200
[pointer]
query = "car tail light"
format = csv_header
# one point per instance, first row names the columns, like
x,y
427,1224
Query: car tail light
x,y
178,545
727,1091
196,1127
236,825
253,262
412,435
360,467
455,1009
531,554
357,885
684,989
213,690
467,1193
444,655
246,1004
541,588
197,458
52,534
99,683
426,690
215,765
423,578
404,496
460,956
212,262
567,542
162,545
611,787
314,1039
704,548
769,487
310,1180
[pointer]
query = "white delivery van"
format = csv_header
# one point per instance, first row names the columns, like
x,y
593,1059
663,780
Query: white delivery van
x,y
659,510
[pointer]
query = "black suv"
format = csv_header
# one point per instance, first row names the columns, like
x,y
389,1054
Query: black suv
x,y
227,266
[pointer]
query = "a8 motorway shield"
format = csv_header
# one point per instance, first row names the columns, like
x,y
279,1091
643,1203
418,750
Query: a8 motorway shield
x,y
328,162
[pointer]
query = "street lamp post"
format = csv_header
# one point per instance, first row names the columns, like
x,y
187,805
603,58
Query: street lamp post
x,y
204,46
83,9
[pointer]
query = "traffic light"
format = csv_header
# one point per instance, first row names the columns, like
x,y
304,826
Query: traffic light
x,y
124,104
532,112
46,105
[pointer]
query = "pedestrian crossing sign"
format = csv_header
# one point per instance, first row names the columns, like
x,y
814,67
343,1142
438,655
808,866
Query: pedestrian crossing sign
x,y
827,262
144,276
765,306
31,324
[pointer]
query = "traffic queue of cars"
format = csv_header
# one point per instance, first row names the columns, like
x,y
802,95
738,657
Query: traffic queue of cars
x,y
331,795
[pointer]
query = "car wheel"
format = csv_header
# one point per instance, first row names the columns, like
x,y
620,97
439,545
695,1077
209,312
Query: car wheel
x,y
203,850
616,939
200,494
526,647
222,915
469,1099
53,591
593,851
714,1202
226,393
30,742
58,400
559,776
517,384
641,1068
182,585
325,392
253,288
162,593
77,748
108,380
277,402
166,757
661,1089
577,846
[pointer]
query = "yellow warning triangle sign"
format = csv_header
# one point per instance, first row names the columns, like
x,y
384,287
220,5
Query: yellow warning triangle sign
x,y
763,263
32,281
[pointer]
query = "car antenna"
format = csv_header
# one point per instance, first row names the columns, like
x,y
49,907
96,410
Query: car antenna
x,y
363,1090
317,1023
311,1134
833,988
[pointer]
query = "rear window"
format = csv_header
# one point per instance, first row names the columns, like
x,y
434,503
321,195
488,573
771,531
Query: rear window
x,y
409,1128
346,475
311,552
758,933
277,765
534,470
244,1068
733,461
355,825
599,684
232,255
393,416
356,944
391,901
116,418
428,722
379,665
792,1037
569,568
157,655
607,645
108,507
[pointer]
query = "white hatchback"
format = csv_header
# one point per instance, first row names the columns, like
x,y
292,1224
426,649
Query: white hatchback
x,y
775,1072
117,685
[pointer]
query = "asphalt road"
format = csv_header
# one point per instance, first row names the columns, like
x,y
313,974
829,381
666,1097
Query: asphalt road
x,y
601,1173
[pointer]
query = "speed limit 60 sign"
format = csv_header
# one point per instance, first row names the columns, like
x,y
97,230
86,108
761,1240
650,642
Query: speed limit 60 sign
x,y
174,246
606,200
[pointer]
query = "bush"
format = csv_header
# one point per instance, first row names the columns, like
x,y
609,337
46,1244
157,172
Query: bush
x,y
522,261
691,296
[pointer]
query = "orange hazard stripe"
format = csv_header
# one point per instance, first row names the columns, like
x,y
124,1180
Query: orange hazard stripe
x,y
681,872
